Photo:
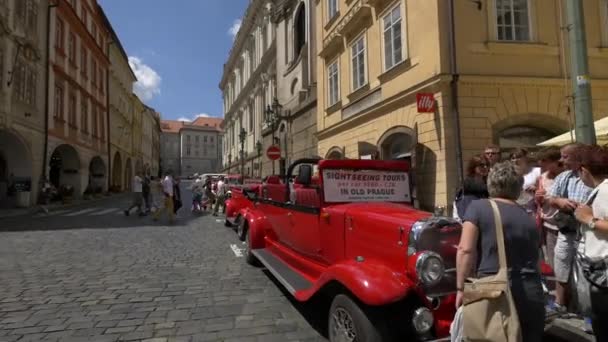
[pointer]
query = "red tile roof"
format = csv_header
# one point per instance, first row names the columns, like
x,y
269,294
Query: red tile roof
x,y
174,126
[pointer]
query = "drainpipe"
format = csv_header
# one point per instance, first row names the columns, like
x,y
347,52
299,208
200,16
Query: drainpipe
x,y
454,89
48,87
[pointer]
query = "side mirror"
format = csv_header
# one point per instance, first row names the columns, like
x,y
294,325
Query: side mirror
x,y
304,174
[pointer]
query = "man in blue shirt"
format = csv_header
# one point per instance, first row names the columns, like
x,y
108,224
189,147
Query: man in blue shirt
x,y
567,193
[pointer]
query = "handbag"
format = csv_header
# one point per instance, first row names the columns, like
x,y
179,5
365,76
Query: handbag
x,y
565,221
489,312
594,271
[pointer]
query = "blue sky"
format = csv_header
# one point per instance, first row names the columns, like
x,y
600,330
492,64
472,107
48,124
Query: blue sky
x,y
177,49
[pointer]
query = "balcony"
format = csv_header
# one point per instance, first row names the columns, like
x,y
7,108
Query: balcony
x,y
358,15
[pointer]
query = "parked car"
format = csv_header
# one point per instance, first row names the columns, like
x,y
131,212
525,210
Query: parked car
x,y
351,235
241,199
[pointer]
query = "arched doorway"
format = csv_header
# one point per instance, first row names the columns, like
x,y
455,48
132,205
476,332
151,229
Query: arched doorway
x,y
334,153
15,166
397,143
523,136
128,175
97,175
117,172
64,169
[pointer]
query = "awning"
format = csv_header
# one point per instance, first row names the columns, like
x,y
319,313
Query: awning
x,y
601,132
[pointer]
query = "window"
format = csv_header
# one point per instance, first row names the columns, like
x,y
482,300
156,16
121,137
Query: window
x,y
31,84
101,78
83,62
332,9
188,138
102,126
300,31
512,20
205,139
72,47
188,150
84,115
94,118
93,72
94,31
211,139
72,110
59,102
333,83
26,15
358,63
196,139
85,19
392,38
58,34
251,117
24,83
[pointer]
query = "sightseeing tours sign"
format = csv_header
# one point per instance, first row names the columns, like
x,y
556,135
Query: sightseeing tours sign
x,y
343,185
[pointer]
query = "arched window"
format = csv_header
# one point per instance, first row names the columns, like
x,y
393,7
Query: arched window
x,y
299,30
397,145
521,136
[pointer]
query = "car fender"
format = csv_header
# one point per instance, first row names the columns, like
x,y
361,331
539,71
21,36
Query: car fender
x,y
370,281
257,225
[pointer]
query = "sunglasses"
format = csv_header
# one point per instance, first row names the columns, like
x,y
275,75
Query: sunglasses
x,y
493,153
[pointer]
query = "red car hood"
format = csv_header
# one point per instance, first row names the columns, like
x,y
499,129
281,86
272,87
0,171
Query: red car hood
x,y
401,214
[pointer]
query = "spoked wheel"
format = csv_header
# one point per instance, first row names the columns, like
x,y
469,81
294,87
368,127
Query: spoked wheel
x,y
241,228
249,257
349,323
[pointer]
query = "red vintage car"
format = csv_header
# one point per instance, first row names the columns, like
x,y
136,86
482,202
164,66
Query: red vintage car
x,y
351,235
240,198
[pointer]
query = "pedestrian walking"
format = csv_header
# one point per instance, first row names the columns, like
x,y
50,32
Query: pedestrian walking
x,y
567,192
492,154
137,195
220,196
593,247
551,166
478,249
145,187
167,189
474,186
209,193
177,195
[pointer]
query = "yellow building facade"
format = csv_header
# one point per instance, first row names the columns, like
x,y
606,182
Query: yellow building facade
x,y
505,81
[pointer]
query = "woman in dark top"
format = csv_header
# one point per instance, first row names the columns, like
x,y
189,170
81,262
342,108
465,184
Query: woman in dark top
x,y
478,254
474,186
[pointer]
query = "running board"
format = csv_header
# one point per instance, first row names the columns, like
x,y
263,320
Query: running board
x,y
289,278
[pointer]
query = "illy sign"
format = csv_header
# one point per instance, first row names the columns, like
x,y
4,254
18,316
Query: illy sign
x,y
425,102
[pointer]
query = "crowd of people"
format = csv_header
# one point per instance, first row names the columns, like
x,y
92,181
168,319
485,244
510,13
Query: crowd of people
x,y
553,205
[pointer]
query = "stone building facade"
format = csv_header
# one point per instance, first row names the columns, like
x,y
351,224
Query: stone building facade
x,y
150,140
191,147
122,117
296,81
248,86
503,82
77,85
23,56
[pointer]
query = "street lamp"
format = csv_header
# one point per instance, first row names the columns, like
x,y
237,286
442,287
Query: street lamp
x,y
242,136
273,117
258,147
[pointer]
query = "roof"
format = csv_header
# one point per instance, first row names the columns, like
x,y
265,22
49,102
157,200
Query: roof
x,y
201,123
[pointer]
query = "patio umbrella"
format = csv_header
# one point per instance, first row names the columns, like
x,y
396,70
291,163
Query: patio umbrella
x,y
601,132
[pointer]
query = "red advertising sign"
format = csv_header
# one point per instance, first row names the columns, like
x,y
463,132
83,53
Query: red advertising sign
x,y
425,102
273,152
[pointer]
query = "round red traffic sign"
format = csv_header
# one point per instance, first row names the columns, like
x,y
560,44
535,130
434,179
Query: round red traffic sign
x,y
273,152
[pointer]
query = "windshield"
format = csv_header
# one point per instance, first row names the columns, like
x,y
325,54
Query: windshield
x,y
361,185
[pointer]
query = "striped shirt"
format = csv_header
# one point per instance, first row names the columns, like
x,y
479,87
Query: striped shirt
x,y
569,185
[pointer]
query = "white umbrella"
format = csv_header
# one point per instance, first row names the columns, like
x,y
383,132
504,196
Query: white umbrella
x,y
601,132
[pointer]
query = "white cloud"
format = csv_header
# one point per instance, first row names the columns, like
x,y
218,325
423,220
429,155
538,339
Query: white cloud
x,y
148,80
195,116
234,29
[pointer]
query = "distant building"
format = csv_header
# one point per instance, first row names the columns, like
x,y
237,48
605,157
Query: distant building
x,y
191,147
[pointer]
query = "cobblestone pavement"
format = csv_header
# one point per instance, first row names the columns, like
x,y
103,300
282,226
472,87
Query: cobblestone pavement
x,y
107,277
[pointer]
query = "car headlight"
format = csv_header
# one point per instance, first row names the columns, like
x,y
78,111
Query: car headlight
x,y
429,268
422,320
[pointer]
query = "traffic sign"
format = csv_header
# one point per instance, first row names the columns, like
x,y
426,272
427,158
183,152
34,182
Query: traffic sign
x,y
425,102
273,152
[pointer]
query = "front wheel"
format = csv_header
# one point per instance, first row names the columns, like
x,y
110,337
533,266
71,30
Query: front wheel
x,y
349,322
241,228
249,257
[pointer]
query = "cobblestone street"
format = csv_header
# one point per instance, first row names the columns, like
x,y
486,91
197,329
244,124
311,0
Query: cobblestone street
x,y
137,280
